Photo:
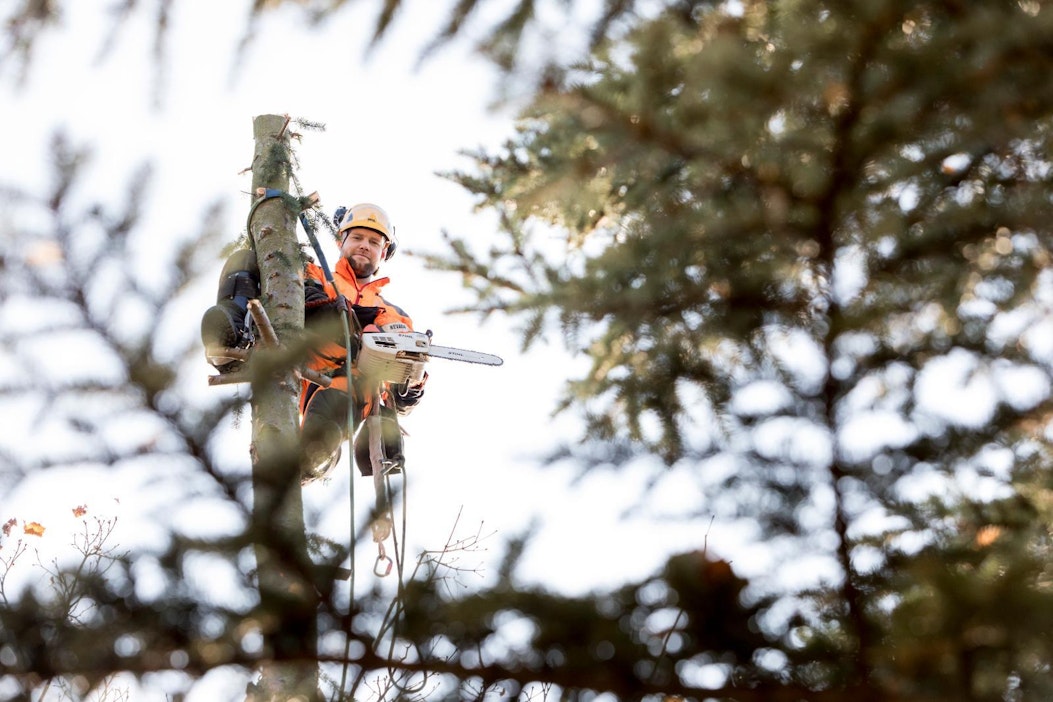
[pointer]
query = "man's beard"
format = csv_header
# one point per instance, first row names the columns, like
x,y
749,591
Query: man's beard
x,y
362,270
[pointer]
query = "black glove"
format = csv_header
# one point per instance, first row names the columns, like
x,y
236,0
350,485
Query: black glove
x,y
322,312
366,315
317,305
315,297
406,396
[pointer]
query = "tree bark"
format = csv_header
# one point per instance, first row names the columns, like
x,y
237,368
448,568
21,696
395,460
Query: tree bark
x,y
288,598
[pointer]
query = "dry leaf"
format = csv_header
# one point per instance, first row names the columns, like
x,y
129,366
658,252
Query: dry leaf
x,y
987,535
33,529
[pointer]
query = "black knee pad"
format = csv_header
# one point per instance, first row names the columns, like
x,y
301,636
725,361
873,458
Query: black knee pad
x,y
240,278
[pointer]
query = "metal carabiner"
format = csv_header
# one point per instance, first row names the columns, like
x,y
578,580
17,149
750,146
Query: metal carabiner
x,y
381,559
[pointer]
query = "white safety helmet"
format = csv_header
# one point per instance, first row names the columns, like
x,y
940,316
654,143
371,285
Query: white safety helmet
x,y
372,217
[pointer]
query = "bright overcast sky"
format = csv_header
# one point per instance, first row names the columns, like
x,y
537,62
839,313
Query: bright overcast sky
x,y
473,442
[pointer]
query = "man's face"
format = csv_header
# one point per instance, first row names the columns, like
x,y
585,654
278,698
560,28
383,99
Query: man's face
x,y
364,249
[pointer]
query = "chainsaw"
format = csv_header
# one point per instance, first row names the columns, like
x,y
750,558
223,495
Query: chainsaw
x,y
400,357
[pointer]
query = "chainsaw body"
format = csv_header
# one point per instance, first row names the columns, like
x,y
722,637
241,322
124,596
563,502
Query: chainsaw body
x,y
394,358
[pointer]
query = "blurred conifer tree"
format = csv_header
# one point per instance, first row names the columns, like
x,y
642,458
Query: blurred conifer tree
x,y
811,240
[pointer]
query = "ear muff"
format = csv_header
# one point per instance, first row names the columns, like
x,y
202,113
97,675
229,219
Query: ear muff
x,y
338,217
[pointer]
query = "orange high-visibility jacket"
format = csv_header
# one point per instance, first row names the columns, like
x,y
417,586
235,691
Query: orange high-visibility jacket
x,y
390,318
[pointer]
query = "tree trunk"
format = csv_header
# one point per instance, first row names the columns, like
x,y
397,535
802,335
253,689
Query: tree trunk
x,y
288,599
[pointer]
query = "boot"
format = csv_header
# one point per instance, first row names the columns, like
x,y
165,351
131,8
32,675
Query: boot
x,y
227,323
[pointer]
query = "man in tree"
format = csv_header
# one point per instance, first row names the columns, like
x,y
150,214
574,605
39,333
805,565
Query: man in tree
x,y
366,239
